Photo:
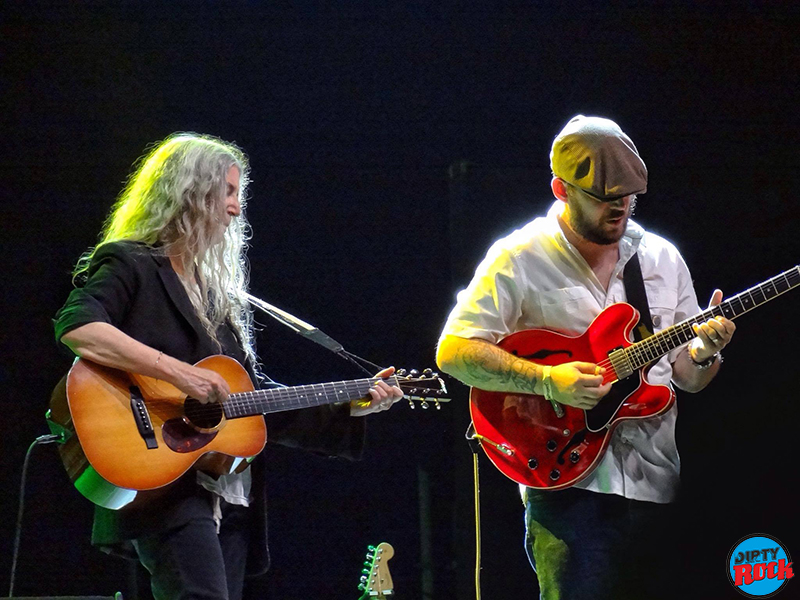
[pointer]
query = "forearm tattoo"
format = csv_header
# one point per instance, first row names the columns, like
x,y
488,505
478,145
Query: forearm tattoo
x,y
488,367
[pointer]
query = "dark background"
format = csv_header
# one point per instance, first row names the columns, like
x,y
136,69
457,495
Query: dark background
x,y
390,143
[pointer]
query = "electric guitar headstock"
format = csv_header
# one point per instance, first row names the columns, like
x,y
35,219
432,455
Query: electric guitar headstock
x,y
376,581
426,388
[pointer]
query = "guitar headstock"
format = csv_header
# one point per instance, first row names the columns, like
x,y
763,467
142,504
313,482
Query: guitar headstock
x,y
426,387
376,581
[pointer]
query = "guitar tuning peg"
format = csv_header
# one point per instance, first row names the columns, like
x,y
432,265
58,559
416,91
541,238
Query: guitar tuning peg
x,y
367,563
411,404
370,548
402,372
427,373
365,572
413,373
437,404
425,404
361,587
364,579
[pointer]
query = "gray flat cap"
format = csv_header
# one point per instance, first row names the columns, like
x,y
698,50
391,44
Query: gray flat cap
x,y
594,154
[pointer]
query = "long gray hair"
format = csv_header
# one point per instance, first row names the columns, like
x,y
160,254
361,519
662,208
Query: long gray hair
x,y
172,201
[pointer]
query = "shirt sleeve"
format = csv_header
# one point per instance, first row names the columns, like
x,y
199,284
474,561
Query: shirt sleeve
x,y
104,297
491,305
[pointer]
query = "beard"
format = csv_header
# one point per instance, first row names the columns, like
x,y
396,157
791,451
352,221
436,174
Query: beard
x,y
595,233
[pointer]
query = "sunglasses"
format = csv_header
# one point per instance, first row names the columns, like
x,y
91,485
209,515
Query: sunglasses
x,y
598,198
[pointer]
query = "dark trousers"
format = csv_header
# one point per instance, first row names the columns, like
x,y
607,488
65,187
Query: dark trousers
x,y
589,545
193,562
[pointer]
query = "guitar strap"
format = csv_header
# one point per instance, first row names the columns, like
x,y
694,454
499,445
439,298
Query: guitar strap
x,y
637,297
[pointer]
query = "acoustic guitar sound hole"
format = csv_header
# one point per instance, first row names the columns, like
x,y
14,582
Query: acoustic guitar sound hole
x,y
202,416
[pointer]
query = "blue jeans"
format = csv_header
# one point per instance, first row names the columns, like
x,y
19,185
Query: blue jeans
x,y
587,545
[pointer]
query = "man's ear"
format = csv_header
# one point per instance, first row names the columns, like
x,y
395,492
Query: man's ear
x,y
559,188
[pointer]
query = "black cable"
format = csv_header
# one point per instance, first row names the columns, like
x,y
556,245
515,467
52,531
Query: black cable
x,y
42,439
353,358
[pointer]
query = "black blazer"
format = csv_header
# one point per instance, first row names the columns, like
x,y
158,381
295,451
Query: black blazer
x,y
134,287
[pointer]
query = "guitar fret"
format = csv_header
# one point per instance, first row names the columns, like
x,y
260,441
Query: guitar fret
x,y
287,398
646,351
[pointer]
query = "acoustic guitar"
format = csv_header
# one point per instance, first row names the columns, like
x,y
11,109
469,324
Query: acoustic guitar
x,y
551,446
125,433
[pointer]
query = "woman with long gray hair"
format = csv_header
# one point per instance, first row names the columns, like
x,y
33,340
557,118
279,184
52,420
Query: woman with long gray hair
x,y
164,288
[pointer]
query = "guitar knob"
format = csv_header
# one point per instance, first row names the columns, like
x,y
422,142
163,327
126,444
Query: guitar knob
x,y
555,474
574,456
533,463
552,445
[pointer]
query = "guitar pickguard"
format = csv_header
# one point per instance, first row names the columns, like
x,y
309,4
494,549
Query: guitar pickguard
x,y
544,353
604,411
183,438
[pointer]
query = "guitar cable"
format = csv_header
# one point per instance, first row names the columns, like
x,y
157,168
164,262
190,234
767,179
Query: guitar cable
x,y
42,439
474,445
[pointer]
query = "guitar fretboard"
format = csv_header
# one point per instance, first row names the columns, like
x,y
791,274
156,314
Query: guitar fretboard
x,y
642,353
261,402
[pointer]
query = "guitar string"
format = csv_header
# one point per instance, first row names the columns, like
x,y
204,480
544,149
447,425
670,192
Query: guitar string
x,y
279,396
253,402
285,398
747,302
302,396
652,347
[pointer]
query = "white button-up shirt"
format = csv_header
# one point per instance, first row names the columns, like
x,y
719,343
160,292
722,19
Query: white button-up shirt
x,y
535,279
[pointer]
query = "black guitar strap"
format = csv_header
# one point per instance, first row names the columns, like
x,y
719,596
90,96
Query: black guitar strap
x,y
637,297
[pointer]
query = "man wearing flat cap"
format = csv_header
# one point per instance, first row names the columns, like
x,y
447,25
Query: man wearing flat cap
x,y
558,273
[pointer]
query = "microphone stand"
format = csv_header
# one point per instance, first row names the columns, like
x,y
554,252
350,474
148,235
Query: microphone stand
x,y
309,332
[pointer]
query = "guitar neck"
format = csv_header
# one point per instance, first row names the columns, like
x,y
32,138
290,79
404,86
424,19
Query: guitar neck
x,y
642,353
262,402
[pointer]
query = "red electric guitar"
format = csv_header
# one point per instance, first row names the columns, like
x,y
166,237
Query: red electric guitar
x,y
551,446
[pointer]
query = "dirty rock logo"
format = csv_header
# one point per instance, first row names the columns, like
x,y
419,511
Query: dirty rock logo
x,y
759,566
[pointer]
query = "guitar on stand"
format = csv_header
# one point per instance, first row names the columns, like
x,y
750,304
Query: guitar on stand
x,y
553,446
376,581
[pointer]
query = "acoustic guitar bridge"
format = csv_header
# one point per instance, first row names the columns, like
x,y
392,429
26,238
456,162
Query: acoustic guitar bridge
x,y
142,418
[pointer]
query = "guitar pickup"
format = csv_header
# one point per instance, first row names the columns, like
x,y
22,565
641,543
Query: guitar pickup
x,y
142,418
